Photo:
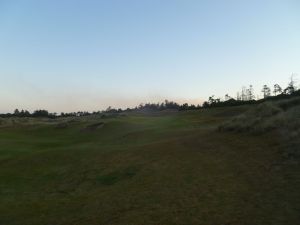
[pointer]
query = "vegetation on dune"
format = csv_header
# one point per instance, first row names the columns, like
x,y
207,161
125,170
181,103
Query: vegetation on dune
x,y
281,117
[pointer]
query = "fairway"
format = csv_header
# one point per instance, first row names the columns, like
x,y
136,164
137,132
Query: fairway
x,y
143,168
149,112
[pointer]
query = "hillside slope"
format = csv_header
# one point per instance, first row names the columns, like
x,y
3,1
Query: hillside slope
x,y
281,118
168,168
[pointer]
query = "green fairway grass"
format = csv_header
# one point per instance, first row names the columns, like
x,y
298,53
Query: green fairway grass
x,y
138,169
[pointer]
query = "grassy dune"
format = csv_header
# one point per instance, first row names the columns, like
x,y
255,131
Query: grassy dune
x,y
139,169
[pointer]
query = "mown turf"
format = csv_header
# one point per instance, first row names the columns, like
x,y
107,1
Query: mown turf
x,y
168,168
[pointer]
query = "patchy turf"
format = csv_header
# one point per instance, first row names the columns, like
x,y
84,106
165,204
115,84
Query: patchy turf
x,y
168,168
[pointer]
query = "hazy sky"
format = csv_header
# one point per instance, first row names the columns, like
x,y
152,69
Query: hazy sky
x,y
86,55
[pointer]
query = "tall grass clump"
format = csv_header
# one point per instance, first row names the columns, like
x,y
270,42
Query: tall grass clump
x,y
255,120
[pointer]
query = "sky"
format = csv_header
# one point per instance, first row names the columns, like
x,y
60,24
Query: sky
x,y
86,55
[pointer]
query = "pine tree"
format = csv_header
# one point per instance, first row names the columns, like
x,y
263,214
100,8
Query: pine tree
x,y
266,91
277,89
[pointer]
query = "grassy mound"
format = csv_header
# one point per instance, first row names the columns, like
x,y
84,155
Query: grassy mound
x,y
267,116
281,117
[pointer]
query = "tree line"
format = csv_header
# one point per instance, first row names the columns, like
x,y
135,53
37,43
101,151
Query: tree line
x,y
245,96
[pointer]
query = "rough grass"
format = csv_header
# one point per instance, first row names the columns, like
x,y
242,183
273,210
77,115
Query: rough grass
x,y
143,169
280,117
267,116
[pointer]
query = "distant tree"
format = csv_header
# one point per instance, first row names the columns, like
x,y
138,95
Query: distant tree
x,y
16,112
108,109
250,93
238,96
244,94
171,105
291,88
27,113
247,94
40,113
277,89
192,107
205,104
24,113
184,106
211,100
227,97
266,91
